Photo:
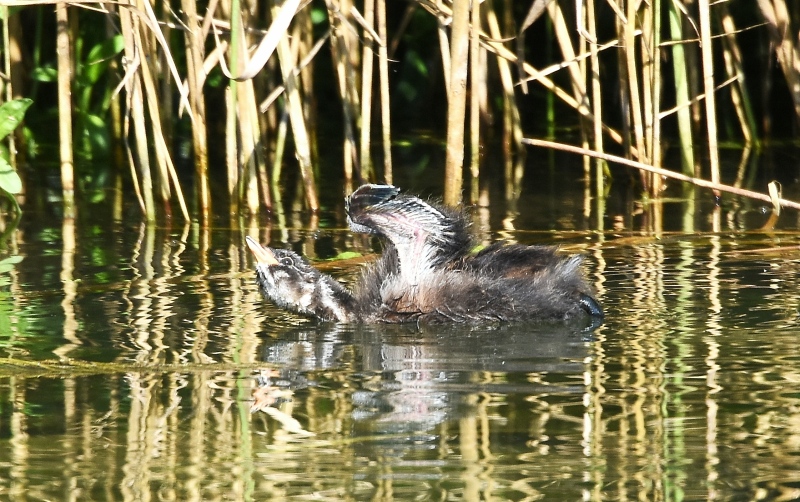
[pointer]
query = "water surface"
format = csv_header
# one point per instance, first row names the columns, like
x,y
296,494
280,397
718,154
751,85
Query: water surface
x,y
141,363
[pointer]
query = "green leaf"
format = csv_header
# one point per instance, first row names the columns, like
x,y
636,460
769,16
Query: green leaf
x,y
9,179
7,264
346,255
97,60
44,74
29,140
318,15
97,196
105,50
96,131
11,114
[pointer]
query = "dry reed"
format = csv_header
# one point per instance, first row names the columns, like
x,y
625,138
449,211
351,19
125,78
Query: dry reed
x,y
255,142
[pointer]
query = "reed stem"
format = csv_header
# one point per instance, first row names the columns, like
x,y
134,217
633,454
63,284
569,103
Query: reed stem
x,y
367,59
444,48
476,82
681,91
456,105
655,85
708,86
65,64
195,54
635,109
231,111
597,108
383,68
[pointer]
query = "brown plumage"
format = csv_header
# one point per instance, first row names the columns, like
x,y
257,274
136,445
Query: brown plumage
x,y
427,272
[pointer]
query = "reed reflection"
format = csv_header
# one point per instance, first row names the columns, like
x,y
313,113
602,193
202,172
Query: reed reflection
x,y
684,393
69,285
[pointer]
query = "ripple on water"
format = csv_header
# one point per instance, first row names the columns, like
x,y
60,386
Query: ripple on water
x,y
689,389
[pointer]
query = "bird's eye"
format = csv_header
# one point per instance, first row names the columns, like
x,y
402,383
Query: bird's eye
x,y
287,261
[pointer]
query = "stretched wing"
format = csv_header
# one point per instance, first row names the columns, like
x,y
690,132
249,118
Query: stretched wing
x,y
358,203
422,232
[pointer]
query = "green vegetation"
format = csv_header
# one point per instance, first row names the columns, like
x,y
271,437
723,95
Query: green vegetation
x,y
11,114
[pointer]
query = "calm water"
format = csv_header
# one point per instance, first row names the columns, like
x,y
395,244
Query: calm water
x,y
143,364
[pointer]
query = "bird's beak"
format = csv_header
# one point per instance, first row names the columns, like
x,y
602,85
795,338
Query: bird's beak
x,y
264,255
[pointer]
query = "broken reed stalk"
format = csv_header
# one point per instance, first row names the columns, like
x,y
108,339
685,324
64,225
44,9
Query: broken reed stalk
x,y
64,56
456,104
13,62
115,108
742,168
715,186
383,69
550,102
708,87
140,141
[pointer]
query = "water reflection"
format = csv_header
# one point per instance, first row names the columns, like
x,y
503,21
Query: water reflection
x,y
410,379
399,398
145,364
